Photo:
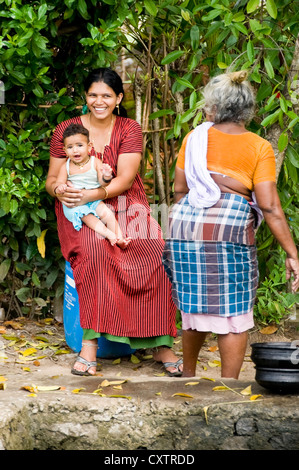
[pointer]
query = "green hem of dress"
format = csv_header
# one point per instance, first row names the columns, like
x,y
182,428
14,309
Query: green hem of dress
x,y
134,343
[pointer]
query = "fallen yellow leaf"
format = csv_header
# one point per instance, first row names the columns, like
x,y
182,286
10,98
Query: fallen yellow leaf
x,y
29,388
182,395
106,382
268,330
42,338
24,360
148,356
255,397
214,363
220,388
120,396
49,332
77,390
208,378
2,385
48,388
116,361
28,352
2,378
99,393
192,383
13,324
62,351
246,391
134,359
205,410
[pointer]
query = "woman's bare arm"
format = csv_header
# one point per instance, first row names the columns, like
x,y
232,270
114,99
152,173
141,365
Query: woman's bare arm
x,y
180,184
268,201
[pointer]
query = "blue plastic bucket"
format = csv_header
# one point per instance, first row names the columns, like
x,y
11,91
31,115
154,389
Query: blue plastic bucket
x,y
71,321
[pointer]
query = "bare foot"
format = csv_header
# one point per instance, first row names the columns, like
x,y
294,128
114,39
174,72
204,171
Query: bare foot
x,y
124,242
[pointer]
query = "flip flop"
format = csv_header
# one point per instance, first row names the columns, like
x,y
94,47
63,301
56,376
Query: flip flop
x,y
176,364
87,364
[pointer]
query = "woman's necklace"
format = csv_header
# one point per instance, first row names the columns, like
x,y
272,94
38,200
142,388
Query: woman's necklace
x,y
81,165
107,141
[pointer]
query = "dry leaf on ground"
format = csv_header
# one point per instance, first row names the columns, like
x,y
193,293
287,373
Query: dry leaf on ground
x,y
269,330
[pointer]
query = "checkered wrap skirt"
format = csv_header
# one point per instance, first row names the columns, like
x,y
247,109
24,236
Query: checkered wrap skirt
x,y
210,257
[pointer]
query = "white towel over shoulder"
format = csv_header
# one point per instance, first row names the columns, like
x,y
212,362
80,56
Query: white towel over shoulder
x,y
203,191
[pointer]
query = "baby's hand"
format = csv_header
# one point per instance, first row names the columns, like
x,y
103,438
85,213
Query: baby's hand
x,y
61,189
107,171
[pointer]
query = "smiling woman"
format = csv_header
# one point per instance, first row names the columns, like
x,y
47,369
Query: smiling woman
x,y
124,294
101,101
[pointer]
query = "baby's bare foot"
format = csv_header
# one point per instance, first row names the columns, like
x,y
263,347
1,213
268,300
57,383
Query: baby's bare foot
x,y
124,242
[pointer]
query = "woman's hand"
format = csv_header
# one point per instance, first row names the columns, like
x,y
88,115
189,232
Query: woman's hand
x,y
292,267
71,197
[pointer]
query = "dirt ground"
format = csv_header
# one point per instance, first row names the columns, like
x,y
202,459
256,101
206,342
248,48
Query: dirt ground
x,y
33,350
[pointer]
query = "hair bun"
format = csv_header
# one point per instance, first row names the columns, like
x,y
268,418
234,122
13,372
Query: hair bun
x,y
238,77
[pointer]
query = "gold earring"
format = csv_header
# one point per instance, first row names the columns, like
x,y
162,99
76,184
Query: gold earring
x,y
117,108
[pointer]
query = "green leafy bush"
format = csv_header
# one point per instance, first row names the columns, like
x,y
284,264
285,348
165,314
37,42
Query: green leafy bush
x,y
48,47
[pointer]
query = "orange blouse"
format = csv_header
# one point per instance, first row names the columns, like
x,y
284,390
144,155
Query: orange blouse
x,y
246,157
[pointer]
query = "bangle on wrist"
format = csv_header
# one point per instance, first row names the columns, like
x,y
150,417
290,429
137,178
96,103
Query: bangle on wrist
x,y
106,193
106,181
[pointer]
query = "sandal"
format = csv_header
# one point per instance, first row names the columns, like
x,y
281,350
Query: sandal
x,y
176,364
88,364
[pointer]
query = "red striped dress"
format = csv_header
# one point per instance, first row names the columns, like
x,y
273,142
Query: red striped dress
x,y
124,293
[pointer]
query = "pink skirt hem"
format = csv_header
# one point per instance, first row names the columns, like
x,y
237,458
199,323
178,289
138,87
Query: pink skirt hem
x,y
216,324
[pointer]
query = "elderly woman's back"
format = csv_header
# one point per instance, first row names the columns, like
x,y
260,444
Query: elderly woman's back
x,y
210,255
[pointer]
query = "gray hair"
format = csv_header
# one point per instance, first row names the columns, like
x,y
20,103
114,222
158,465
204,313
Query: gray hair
x,y
229,97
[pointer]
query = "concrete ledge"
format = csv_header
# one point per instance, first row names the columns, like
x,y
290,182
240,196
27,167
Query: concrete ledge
x,y
210,420
154,412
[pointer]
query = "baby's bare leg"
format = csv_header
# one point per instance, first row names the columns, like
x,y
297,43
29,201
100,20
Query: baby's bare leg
x,y
108,218
99,227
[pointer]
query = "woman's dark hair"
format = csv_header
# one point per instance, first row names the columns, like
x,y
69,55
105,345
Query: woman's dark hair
x,y
111,79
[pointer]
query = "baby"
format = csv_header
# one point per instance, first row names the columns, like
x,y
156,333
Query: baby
x,y
87,172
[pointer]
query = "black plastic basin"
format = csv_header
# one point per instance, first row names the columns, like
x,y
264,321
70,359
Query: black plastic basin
x,y
278,380
276,355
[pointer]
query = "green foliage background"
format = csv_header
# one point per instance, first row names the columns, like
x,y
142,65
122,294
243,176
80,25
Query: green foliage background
x,y
48,46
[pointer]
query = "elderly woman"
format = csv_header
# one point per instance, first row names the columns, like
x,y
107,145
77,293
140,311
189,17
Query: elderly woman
x,y
224,186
